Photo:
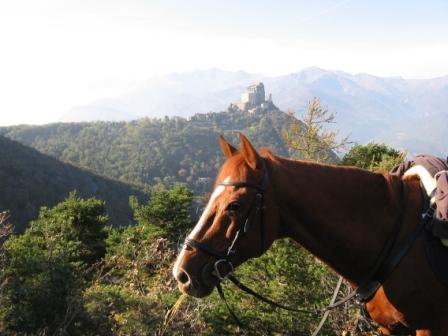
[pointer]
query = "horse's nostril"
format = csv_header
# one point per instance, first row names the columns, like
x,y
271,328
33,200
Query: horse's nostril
x,y
183,277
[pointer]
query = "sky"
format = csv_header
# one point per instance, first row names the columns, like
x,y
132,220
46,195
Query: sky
x,y
58,54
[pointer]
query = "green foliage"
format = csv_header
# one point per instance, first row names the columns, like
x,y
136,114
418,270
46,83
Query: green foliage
x,y
117,281
373,156
136,287
99,280
139,279
115,310
167,211
153,151
47,267
84,220
309,138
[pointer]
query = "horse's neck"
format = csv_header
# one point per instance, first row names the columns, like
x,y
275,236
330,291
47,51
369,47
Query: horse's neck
x,y
341,215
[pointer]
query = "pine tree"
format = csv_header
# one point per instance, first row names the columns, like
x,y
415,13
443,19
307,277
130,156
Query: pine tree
x,y
309,136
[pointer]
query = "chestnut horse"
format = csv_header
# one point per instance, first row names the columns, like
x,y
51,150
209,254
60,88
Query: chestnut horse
x,y
342,215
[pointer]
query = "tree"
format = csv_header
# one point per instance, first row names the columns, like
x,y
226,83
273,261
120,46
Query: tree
x,y
373,156
167,211
309,137
48,266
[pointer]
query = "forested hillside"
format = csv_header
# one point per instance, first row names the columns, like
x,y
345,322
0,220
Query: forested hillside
x,y
151,151
29,180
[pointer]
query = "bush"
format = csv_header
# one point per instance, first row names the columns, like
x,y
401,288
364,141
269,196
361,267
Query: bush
x,y
47,267
167,213
373,156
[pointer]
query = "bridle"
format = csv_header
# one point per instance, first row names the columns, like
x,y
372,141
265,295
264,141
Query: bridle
x,y
255,210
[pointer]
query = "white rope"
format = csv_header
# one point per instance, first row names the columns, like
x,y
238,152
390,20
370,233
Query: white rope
x,y
327,312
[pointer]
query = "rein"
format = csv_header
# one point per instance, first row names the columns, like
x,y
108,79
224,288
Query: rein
x,y
256,207
389,257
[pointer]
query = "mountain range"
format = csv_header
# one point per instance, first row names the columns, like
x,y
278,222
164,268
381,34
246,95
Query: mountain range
x,y
408,114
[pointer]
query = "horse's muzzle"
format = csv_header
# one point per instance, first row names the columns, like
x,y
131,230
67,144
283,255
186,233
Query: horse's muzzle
x,y
192,285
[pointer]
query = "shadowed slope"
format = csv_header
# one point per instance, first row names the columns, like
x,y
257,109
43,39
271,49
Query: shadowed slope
x,y
29,180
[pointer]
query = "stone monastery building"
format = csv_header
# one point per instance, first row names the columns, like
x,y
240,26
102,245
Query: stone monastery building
x,y
254,98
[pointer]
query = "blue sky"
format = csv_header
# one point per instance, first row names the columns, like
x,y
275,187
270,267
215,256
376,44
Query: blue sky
x,y
61,53
346,20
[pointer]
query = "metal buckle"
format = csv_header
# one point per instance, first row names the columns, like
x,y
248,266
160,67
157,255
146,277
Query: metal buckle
x,y
217,273
230,249
246,225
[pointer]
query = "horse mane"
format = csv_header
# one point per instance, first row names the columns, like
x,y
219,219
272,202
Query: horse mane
x,y
383,181
380,181
267,153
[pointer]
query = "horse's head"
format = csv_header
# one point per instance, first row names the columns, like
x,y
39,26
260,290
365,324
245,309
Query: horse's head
x,y
233,226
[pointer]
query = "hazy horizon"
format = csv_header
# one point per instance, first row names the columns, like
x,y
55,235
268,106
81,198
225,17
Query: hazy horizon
x,y
61,54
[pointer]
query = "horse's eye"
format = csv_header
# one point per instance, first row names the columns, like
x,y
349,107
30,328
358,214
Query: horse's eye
x,y
234,206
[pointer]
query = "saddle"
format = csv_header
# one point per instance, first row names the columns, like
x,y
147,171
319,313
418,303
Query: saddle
x,y
436,234
438,228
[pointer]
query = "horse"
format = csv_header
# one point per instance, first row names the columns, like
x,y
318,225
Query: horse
x,y
344,216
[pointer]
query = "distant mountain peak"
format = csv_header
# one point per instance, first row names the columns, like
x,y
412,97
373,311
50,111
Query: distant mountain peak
x,y
367,106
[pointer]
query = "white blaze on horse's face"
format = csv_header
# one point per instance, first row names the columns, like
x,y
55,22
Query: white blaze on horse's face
x,y
202,221
218,191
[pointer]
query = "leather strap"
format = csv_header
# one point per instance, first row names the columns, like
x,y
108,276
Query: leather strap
x,y
372,282
223,297
205,248
260,297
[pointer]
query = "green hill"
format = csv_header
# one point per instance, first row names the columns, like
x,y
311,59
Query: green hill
x,y
30,179
141,153
148,151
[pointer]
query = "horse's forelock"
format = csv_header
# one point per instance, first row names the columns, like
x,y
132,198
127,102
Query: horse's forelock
x,y
233,167
236,168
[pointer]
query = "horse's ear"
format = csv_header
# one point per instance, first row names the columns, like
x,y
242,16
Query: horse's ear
x,y
226,148
252,158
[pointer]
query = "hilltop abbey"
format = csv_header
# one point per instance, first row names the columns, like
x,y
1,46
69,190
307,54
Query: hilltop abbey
x,y
254,99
